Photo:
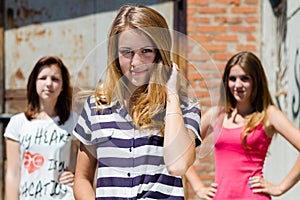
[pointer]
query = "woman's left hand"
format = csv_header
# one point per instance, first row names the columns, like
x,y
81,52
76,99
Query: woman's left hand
x,y
66,178
260,185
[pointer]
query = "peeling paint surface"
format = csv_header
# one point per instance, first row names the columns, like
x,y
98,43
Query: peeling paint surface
x,y
282,155
74,30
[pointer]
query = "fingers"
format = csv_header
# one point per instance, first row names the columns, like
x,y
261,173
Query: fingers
x,y
213,189
257,184
173,82
255,181
208,193
66,178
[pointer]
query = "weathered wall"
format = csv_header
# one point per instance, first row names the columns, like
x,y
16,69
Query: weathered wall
x,y
282,61
75,30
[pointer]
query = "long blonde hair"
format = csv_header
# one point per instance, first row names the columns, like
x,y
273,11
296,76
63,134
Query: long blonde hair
x,y
260,96
148,100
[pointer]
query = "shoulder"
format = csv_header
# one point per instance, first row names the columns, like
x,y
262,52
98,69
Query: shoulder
x,y
18,116
91,103
276,120
14,127
18,119
273,114
272,108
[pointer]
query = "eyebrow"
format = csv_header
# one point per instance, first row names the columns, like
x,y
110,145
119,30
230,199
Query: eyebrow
x,y
124,47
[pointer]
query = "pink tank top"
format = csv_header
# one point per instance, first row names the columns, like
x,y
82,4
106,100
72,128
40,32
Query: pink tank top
x,y
235,164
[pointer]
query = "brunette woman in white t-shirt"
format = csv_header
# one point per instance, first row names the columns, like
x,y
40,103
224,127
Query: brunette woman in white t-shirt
x,y
39,141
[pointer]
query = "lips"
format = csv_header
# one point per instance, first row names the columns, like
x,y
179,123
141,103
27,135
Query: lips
x,y
138,72
239,91
48,91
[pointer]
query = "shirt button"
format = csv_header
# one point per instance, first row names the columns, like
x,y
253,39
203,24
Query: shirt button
x,y
130,150
128,174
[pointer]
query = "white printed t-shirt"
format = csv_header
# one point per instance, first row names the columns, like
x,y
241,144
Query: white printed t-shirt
x,y
45,150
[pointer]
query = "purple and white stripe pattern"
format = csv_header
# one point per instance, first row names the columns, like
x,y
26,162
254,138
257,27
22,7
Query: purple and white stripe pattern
x,y
130,161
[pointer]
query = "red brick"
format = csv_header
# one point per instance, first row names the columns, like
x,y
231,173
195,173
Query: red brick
x,y
201,94
215,47
229,19
199,2
244,10
222,56
211,10
194,76
252,19
198,56
212,29
226,38
201,38
251,1
251,38
191,11
192,28
239,28
196,19
246,47
236,2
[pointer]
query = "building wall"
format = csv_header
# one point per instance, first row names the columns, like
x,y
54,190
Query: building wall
x,y
75,30
281,59
216,29
224,27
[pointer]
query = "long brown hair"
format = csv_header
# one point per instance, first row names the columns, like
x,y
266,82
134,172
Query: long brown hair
x,y
64,101
150,99
260,96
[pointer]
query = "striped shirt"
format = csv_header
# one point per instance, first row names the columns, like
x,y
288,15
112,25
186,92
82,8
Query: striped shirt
x,y
130,161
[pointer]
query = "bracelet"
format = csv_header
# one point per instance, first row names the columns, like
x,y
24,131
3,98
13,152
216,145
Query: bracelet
x,y
172,113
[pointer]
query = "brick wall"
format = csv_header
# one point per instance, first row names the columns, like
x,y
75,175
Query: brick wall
x,y
222,28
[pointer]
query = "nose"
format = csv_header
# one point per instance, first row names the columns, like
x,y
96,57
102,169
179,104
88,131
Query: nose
x,y
238,83
48,81
136,59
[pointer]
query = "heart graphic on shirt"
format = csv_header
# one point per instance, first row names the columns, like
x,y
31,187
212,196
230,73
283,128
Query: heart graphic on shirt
x,y
33,162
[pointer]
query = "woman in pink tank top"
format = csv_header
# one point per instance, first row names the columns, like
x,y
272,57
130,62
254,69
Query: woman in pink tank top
x,y
243,125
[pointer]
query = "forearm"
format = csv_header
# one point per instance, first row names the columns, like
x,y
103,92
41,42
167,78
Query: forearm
x,y
179,147
201,190
292,178
12,185
83,189
13,170
193,179
85,173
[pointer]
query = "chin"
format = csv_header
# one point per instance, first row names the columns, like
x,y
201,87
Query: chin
x,y
139,82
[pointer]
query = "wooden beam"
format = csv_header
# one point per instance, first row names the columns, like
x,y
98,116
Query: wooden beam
x,y
180,36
